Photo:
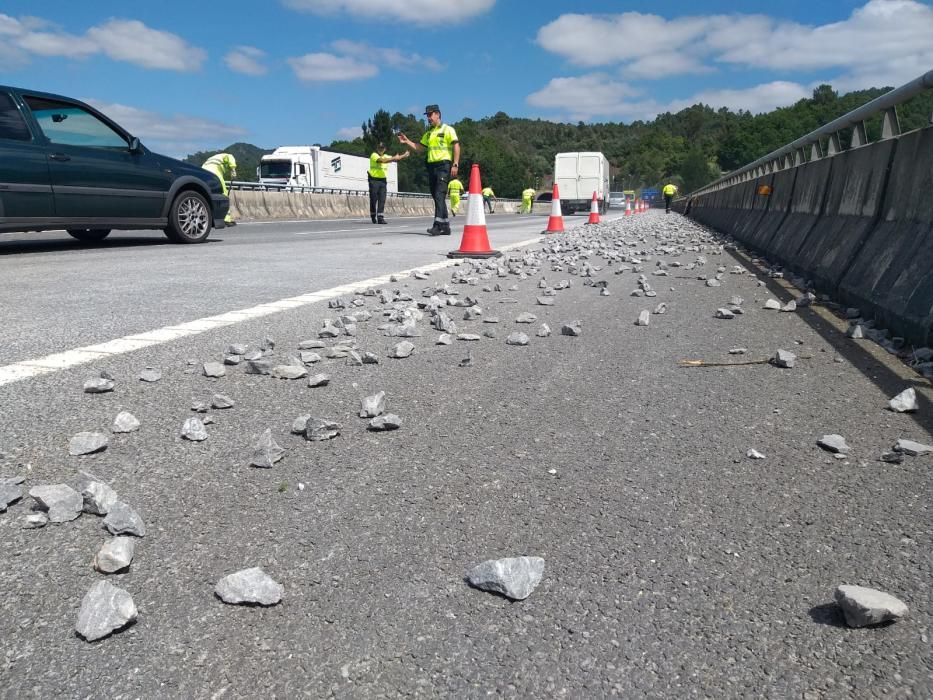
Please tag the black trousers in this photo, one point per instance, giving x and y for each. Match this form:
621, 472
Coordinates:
667, 201
438, 177
377, 196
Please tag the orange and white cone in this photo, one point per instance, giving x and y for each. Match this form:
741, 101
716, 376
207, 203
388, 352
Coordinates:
628, 206
594, 211
475, 240
555, 223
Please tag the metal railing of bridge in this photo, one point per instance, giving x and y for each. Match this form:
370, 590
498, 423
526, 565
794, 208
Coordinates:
810, 147
262, 187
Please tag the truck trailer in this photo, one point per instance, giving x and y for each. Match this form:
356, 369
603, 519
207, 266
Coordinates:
578, 176
309, 166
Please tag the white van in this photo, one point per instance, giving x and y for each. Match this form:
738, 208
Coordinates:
578, 176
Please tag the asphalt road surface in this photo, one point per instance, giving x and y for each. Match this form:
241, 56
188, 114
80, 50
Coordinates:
675, 566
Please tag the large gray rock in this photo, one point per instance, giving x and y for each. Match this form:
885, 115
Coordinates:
194, 430
320, 429
87, 443
833, 443
443, 323
150, 375
105, 609
469, 337
517, 338
98, 385
266, 451
34, 521
724, 313
444, 339
214, 369
526, 317
125, 422
389, 421
867, 606
98, 497
10, 493
513, 577
402, 350
62, 502
572, 328
644, 318
123, 520
251, 586
115, 555
261, 366
773, 305
912, 448
784, 359
220, 402
372, 406
544, 331
289, 372
904, 402
318, 380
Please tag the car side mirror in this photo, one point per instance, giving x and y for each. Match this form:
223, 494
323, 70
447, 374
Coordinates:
135, 145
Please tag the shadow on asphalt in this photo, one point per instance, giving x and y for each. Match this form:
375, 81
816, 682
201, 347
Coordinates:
45, 245
828, 614
852, 351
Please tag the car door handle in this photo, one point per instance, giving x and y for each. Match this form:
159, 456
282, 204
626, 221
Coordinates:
59, 157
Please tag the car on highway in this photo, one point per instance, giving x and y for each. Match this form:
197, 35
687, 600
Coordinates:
64, 164
617, 200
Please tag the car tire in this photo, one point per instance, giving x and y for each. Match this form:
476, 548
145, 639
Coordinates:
89, 235
189, 219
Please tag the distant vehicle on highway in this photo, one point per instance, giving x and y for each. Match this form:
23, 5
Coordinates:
309, 166
63, 164
578, 175
617, 200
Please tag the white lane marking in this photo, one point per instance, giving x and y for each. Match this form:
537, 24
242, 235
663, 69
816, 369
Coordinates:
27, 369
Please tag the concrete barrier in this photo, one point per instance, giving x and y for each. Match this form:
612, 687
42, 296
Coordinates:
249, 204
754, 206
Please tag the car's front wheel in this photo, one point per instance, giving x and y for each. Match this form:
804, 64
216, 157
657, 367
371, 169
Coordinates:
89, 235
189, 220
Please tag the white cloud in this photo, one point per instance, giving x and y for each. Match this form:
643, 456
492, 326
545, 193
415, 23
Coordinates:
884, 42
176, 134
349, 133
598, 95
424, 12
394, 58
328, 67
247, 60
129, 41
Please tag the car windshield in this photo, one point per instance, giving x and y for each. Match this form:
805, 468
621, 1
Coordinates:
275, 168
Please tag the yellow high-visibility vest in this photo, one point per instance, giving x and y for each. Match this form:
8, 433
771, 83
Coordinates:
439, 141
455, 187
669, 189
376, 169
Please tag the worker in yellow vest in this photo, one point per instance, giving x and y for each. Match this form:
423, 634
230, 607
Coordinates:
669, 190
454, 188
528, 196
443, 161
488, 198
223, 165
377, 181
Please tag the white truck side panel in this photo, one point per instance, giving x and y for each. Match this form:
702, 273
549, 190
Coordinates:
328, 169
578, 175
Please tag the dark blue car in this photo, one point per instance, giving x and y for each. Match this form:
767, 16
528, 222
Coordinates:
65, 165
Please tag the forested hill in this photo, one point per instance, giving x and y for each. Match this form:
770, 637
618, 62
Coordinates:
689, 148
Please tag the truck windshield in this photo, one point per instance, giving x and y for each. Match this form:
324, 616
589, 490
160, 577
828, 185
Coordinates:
275, 168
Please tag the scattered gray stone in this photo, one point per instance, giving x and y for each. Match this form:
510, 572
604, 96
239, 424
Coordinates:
736, 301
644, 318
98, 496
311, 345
372, 406
469, 336
267, 344
660, 308
309, 358
123, 520
266, 452
442, 322
214, 369
513, 577
354, 359
221, 402
713, 283
526, 317
444, 339
724, 313
517, 338
370, 358
60, 501
250, 586
863, 606
754, 454
544, 331
253, 355
490, 333
115, 555
545, 301
236, 349
194, 430
892, 457
150, 374
87, 443
789, 307
125, 422
318, 380
402, 350
914, 449
300, 423
105, 609
571, 328
289, 372
99, 385
738, 351
773, 305
260, 366
34, 521
200, 406
233, 360
320, 429
904, 402
389, 421
833, 443
784, 359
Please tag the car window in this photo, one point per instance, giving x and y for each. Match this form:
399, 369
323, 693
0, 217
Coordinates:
71, 125
12, 124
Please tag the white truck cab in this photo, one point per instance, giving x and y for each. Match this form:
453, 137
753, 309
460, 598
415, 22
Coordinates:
310, 166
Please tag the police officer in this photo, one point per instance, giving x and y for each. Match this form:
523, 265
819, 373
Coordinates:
377, 181
443, 161
669, 190
223, 165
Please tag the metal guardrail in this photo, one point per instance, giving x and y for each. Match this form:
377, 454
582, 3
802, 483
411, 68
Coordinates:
261, 187
809, 148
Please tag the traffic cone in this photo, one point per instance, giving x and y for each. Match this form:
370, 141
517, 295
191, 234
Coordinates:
594, 211
628, 207
555, 223
475, 240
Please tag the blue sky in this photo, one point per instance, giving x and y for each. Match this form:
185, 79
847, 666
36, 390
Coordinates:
189, 75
